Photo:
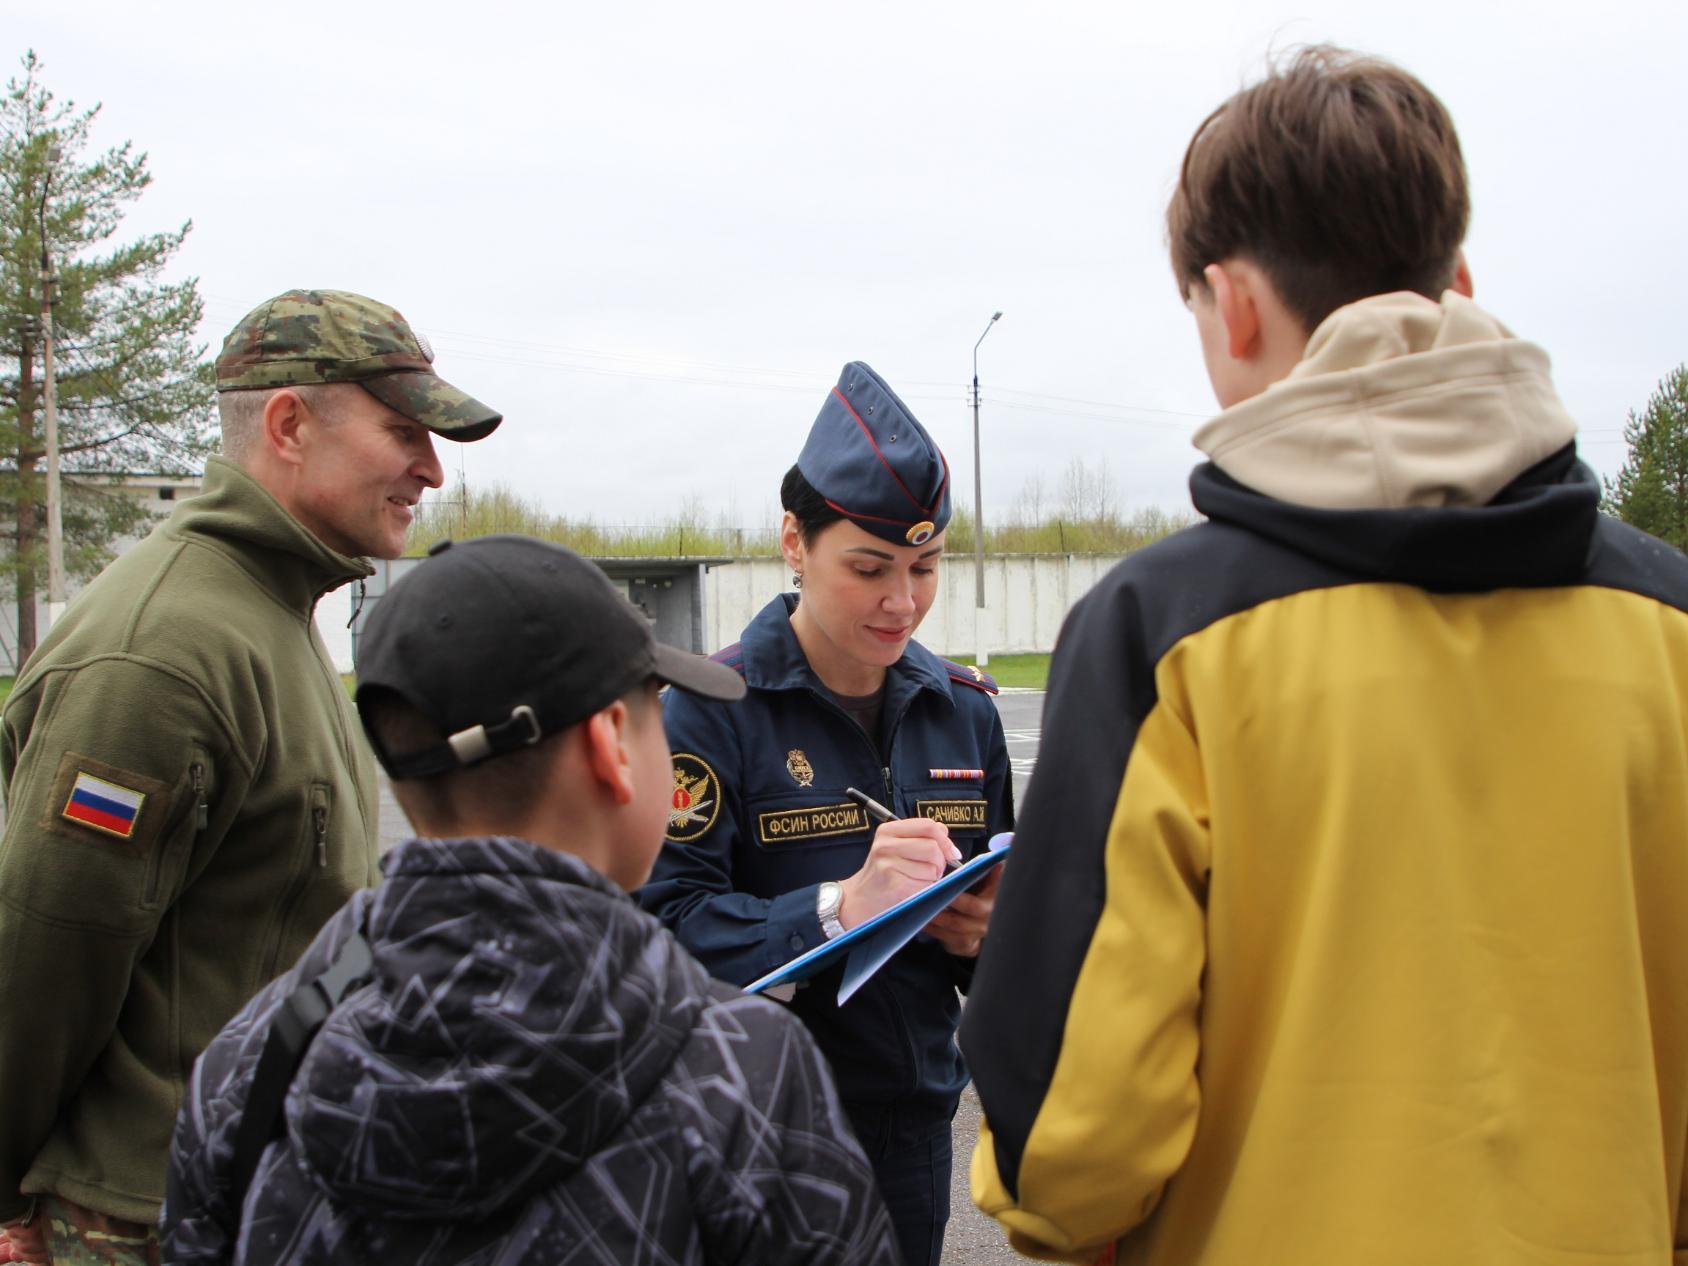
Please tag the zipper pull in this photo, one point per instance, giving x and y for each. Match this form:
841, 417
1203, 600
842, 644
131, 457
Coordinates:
319, 815
201, 810
890, 796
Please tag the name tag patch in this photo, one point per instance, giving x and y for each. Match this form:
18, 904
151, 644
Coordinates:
967, 814
780, 825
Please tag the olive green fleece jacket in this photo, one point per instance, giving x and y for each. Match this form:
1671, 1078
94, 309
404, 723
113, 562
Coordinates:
232, 811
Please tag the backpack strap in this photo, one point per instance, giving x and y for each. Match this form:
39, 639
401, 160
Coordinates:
292, 1027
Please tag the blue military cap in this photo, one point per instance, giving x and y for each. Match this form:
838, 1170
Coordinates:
874, 464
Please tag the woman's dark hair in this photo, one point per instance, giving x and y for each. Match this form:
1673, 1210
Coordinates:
811, 509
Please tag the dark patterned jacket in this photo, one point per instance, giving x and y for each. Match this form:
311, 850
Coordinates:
536, 1072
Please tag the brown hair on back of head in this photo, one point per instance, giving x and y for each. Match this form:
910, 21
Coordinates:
1339, 175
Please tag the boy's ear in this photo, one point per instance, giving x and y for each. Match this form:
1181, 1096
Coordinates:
1461, 283
607, 753
1232, 288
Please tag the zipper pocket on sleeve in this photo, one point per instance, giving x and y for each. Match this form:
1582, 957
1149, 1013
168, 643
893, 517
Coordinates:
319, 824
184, 831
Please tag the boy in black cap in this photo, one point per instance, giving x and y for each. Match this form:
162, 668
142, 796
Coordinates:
523, 1066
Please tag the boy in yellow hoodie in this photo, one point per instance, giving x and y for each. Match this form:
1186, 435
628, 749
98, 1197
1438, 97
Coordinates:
1345, 925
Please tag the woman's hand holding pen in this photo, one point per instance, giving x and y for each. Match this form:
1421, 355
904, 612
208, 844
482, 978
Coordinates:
907, 855
961, 926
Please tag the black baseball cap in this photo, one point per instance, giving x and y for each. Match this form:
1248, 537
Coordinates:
505, 640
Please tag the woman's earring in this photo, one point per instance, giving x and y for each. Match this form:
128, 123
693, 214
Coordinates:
797, 579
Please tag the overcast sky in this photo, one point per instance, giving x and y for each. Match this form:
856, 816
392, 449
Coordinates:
652, 234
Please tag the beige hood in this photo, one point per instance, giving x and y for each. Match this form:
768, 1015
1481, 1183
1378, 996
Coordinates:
1398, 401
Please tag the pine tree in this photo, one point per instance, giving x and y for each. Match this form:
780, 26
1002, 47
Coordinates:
134, 390
1651, 491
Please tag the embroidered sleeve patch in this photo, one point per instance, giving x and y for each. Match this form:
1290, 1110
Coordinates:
89, 796
695, 801
103, 805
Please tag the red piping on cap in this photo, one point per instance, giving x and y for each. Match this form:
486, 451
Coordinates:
851, 514
925, 511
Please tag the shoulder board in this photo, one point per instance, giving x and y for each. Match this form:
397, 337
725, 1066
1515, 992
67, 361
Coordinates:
732, 656
968, 675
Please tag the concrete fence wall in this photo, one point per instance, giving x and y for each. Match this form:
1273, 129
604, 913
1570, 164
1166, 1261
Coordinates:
1026, 598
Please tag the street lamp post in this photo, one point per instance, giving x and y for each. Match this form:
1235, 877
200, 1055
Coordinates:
979, 512
50, 407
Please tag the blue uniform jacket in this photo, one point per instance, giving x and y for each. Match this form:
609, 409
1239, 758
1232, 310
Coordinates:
760, 819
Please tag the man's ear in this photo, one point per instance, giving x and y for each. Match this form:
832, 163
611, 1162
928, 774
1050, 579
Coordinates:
607, 753
1232, 288
1461, 284
284, 418
791, 542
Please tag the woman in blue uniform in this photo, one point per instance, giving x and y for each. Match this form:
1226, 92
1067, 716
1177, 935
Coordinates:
768, 857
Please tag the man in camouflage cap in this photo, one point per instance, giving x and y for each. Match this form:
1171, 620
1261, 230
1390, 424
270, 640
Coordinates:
188, 796
323, 336
342, 359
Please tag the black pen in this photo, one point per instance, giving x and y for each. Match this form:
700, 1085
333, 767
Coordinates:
875, 810
880, 813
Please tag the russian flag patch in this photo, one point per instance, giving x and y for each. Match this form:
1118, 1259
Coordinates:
104, 805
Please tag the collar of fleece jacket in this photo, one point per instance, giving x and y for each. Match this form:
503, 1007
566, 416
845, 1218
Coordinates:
233, 506
525, 1009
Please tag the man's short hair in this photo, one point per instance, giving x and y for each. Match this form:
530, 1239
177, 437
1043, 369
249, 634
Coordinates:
241, 414
1338, 175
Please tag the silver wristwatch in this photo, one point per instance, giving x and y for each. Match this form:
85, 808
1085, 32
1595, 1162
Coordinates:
827, 902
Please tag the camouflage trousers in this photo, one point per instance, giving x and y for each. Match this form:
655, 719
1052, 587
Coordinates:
81, 1237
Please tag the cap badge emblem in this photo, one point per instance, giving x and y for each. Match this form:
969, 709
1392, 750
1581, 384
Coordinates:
797, 765
424, 346
921, 532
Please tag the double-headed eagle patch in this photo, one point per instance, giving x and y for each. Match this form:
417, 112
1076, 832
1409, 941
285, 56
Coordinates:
695, 802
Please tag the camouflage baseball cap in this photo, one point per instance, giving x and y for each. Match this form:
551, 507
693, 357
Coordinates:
320, 336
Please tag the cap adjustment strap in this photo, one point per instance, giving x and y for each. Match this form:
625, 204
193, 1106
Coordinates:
479, 742
471, 746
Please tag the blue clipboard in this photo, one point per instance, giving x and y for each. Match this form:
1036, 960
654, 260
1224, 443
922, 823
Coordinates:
866, 947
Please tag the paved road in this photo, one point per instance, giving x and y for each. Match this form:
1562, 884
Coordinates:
973, 1239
